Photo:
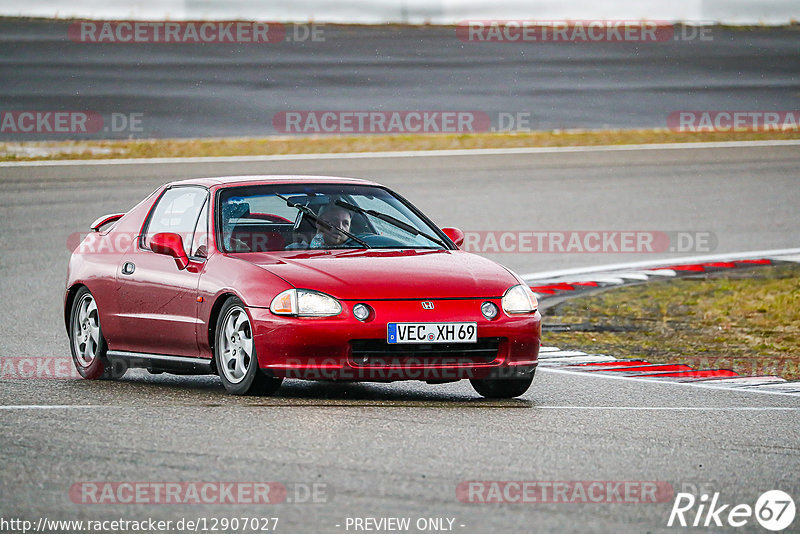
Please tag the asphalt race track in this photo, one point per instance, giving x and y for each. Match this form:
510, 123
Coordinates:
401, 450
210, 90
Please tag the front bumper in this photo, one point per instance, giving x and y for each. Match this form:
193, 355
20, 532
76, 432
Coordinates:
322, 348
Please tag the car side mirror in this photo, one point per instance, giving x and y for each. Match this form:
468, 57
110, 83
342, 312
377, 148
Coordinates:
455, 235
170, 244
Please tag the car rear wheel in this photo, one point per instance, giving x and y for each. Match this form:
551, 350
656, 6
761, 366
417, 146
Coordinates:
86, 338
502, 388
235, 353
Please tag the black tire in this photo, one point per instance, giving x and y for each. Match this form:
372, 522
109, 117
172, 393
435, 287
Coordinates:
502, 388
86, 341
237, 368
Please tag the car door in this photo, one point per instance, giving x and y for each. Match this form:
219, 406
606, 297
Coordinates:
157, 301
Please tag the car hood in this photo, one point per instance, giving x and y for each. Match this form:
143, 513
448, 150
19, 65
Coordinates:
396, 274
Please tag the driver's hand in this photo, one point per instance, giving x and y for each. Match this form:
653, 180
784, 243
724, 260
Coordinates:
300, 242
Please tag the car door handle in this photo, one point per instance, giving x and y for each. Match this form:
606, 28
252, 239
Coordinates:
128, 267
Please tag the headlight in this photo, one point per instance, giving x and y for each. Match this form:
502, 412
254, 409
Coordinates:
519, 299
305, 303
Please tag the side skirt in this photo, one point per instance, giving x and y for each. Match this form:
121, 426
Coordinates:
161, 363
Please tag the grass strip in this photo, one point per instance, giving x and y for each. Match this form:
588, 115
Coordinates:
747, 321
172, 148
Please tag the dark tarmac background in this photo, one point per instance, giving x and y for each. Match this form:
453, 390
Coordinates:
204, 90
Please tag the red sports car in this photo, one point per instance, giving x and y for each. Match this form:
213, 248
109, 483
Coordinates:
261, 278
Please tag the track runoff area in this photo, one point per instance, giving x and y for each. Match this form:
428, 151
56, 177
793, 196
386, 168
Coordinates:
556, 286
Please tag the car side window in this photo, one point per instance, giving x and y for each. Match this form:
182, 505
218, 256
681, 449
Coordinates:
199, 246
177, 211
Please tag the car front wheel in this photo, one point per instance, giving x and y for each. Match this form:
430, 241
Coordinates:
502, 388
235, 353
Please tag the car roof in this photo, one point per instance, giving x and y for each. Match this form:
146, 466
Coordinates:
221, 181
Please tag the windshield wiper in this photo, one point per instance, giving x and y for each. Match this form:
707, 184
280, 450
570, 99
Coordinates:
305, 210
389, 219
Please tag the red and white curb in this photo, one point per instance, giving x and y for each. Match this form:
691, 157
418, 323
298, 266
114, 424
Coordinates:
574, 361
556, 286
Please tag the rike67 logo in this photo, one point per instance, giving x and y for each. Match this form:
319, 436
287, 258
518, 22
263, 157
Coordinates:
774, 510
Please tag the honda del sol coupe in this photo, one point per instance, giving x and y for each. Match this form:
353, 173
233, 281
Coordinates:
261, 278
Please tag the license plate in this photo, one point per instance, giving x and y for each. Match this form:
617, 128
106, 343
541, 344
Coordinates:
432, 332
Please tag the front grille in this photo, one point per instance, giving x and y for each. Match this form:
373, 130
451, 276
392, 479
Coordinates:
379, 353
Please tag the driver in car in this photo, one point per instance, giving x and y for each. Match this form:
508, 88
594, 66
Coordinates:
338, 218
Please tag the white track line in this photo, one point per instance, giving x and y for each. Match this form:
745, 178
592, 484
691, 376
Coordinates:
577, 360
582, 408
51, 407
562, 354
543, 350
677, 408
786, 254
784, 387
409, 154
745, 381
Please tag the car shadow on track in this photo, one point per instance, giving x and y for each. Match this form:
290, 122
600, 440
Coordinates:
137, 386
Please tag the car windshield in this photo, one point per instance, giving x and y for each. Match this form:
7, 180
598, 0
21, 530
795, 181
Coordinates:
319, 216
